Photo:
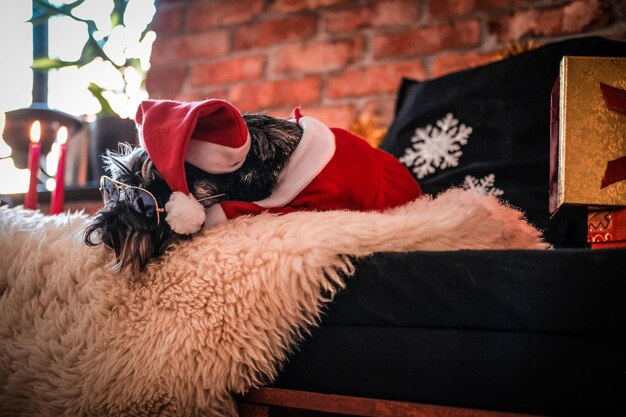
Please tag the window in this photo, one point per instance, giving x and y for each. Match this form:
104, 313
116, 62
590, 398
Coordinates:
67, 87
16, 48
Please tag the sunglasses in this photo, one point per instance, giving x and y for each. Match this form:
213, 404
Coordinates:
141, 201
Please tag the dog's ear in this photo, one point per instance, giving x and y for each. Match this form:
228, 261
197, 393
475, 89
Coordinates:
130, 163
116, 163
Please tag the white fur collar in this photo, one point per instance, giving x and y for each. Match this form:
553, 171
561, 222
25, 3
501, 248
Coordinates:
315, 150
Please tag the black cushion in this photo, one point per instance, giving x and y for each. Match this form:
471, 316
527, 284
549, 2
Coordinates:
507, 107
528, 331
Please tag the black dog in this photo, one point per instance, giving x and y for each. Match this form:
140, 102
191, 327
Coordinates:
122, 228
202, 163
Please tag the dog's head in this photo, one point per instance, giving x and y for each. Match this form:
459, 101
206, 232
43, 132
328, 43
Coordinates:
136, 238
125, 230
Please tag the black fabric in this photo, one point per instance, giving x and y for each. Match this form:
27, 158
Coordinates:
567, 290
506, 371
507, 106
528, 331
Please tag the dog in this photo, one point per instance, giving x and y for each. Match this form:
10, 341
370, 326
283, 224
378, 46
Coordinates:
118, 226
256, 163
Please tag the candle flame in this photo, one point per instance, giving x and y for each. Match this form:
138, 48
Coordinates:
35, 132
62, 135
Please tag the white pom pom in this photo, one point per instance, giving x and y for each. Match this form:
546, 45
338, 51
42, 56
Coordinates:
185, 214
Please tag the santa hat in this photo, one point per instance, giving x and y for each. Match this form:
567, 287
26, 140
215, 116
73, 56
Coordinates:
210, 135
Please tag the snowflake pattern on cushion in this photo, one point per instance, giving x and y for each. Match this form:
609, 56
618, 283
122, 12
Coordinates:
482, 186
436, 147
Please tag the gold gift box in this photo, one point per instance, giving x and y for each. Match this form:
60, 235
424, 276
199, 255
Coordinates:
586, 133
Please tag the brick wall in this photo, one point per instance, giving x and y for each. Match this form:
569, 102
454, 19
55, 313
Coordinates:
343, 58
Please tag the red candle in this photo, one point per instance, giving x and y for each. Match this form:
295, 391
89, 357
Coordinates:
59, 179
34, 151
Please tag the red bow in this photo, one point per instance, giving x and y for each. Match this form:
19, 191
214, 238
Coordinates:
615, 100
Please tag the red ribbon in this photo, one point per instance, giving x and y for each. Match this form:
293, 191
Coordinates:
615, 100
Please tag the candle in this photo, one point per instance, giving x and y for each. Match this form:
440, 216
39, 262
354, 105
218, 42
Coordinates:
59, 179
34, 151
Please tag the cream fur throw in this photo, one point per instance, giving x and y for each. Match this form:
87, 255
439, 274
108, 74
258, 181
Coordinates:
214, 317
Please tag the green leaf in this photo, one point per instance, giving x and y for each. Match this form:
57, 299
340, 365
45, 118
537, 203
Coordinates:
43, 10
91, 51
119, 8
39, 17
91, 27
135, 63
106, 109
116, 19
46, 64
74, 5
44, 7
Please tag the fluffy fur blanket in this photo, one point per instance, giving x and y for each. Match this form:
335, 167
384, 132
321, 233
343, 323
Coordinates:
215, 316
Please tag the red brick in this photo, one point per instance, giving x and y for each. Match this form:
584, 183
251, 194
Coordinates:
162, 2
383, 108
584, 14
461, 34
456, 62
227, 71
188, 46
201, 95
268, 94
274, 31
318, 56
290, 6
528, 22
332, 115
167, 21
398, 12
348, 19
445, 8
574, 17
166, 82
222, 13
385, 13
373, 80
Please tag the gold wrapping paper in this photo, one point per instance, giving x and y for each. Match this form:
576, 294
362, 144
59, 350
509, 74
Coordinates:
588, 134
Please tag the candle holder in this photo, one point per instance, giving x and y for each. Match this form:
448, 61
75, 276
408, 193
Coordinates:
17, 129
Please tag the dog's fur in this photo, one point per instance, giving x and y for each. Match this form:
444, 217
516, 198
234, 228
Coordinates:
118, 227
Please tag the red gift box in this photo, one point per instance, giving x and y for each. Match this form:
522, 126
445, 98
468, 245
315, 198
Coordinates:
606, 228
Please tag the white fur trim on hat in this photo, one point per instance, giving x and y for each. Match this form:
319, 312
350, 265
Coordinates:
214, 158
185, 214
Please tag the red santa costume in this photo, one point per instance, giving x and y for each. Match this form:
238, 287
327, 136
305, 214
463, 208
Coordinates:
330, 169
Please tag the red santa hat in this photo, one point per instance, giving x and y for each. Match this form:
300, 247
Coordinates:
210, 135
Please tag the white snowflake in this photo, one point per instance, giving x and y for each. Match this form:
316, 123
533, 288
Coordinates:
436, 147
482, 186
